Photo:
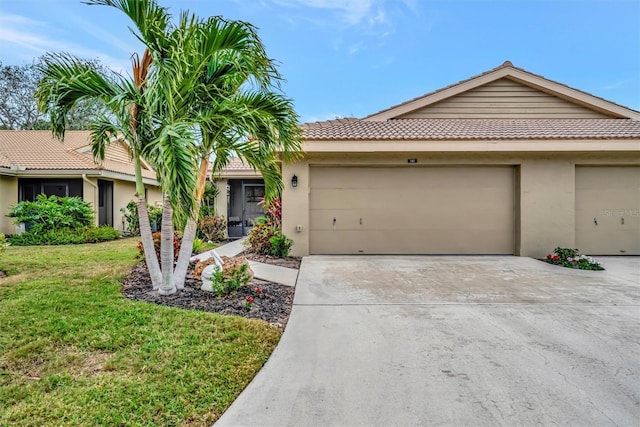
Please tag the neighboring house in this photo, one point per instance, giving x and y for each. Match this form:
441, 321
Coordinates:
507, 162
33, 162
240, 189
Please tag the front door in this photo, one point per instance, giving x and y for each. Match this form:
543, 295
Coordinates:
105, 203
252, 195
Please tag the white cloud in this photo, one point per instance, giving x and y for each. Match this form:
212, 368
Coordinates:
351, 12
618, 84
38, 45
31, 38
322, 117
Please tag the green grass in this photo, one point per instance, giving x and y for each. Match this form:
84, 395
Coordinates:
74, 351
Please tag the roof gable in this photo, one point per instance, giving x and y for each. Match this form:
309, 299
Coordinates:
555, 100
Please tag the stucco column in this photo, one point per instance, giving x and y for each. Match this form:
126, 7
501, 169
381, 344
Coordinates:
295, 206
547, 206
90, 195
8, 198
220, 206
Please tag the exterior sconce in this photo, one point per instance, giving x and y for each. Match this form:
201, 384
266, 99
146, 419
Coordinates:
294, 181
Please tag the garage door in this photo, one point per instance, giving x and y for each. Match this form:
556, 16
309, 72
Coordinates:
419, 210
608, 210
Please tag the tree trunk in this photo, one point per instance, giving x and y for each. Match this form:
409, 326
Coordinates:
166, 249
189, 235
145, 229
180, 273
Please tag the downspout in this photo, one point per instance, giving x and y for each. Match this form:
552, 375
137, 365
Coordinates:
95, 198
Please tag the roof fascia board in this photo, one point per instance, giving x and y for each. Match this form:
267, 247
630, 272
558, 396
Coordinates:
572, 95
521, 76
77, 173
438, 96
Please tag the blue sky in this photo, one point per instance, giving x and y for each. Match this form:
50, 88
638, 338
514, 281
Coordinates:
355, 57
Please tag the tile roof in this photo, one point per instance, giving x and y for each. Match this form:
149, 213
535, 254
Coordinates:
236, 164
39, 150
473, 129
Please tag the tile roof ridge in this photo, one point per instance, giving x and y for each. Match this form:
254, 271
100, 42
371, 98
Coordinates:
330, 122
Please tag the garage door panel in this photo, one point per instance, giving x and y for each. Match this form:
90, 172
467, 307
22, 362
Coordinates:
466, 210
427, 242
610, 197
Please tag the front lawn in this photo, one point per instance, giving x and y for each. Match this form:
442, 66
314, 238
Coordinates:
74, 351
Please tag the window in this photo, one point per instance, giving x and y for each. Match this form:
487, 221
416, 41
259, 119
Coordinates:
29, 188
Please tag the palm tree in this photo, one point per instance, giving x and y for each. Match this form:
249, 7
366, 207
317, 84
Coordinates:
67, 81
216, 80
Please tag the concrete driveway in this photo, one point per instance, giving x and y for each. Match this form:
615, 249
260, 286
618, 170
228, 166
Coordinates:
394, 341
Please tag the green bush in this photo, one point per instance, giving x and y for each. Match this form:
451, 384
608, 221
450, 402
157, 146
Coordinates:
65, 236
259, 238
132, 218
198, 244
53, 213
3, 242
571, 258
280, 245
157, 243
213, 228
234, 280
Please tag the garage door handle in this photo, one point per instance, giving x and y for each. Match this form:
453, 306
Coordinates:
360, 221
334, 221
595, 220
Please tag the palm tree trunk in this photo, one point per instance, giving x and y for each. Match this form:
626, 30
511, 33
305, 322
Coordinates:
145, 229
189, 235
166, 249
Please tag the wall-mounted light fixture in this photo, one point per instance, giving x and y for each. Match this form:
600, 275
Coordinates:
294, 181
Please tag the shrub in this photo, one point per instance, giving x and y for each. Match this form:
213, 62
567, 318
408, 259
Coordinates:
157, 240
132, 218
65, 236
207, 208
213, 228
232, 276
259, 238
198, 244
53, 213
568, 257
280, 245
3, 242
100, 234
266, 238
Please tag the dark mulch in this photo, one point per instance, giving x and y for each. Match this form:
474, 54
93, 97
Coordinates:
3, 274
274, 306
289, 262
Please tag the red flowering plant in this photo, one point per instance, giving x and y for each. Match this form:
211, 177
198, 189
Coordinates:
248, 302
568, 257
257, 292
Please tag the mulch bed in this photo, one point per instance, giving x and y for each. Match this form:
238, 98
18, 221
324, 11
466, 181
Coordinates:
274, 306
289, 262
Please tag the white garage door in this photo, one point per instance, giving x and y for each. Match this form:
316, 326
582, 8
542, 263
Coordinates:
417, 210
608, 210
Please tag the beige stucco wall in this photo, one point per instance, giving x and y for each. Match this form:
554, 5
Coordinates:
221, 198
124, 192
8, 197
545, 190
295, 203
90, 195
547, 206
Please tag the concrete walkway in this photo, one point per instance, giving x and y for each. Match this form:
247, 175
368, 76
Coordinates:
460, 341
268, 272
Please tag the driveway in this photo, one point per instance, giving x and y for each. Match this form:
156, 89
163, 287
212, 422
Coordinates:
391, 341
